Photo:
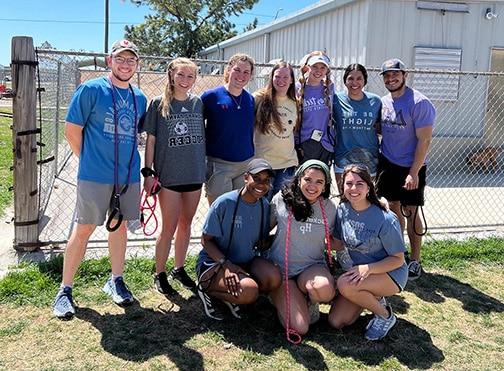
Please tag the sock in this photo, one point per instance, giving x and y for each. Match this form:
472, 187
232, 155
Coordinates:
63, 286
115, 276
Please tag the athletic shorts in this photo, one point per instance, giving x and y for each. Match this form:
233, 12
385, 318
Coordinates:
93, 200
390, 181
315, 150
224, 176
185, 188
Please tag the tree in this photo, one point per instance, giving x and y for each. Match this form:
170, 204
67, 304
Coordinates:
251, 26
185, 27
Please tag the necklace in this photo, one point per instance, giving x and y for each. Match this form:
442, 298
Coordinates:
238, 103
123, 100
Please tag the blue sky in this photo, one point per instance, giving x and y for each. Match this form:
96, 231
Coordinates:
78, 24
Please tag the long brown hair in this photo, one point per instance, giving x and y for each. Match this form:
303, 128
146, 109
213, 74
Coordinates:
363, 172
266, 114
164, 106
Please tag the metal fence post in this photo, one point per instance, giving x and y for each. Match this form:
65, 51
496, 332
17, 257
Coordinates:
24, 144
56, 119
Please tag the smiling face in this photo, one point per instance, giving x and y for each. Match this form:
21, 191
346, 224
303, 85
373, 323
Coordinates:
355, 83
182, 80
282, 81
238, 76
317, 72
312, 183
395, 82
256, 185
123, 66
355, 190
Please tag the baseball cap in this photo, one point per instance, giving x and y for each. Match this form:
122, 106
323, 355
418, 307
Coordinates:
393, 64
122, 45
318, 59
257, 165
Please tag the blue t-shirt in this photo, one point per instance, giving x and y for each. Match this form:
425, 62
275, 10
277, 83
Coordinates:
399, 120
357, 141
370, 236
247, 227
92, 108
229, 124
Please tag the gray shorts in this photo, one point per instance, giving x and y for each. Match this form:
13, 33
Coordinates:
93, 200
224, 176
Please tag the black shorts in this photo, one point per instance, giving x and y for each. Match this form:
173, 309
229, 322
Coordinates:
315, 150
390, 181
185, 188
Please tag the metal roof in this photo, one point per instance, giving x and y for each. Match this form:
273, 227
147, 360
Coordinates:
305, 13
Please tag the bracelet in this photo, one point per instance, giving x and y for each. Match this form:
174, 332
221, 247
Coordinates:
147, 172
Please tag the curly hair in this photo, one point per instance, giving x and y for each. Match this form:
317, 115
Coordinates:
294, 198
266, 115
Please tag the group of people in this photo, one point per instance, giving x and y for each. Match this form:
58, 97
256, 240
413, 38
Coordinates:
264, 160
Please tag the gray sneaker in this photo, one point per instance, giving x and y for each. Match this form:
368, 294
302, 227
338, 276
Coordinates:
414, 270
379, 327
118, 291
63, 306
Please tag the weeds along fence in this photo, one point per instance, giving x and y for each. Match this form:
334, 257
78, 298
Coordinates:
466, 167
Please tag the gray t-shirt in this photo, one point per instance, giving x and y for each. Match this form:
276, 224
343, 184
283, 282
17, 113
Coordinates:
307, 239
179, 156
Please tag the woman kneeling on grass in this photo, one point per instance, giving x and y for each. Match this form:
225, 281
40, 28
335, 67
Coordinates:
237, 222
374, 241
304, 215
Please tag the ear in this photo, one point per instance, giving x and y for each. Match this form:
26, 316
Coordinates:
108, 59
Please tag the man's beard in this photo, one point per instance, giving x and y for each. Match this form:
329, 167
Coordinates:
122, 79
398, 88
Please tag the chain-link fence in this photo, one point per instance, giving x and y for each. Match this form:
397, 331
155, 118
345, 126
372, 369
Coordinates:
466, 166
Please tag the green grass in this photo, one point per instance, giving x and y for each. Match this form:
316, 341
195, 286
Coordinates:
5, 161
451, 318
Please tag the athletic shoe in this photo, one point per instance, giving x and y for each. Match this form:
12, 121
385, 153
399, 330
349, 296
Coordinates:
209, 306
233, 308
344, 259
414, 270
118, 291
63, 306
162, 285
379, 327
314, 310
181, 276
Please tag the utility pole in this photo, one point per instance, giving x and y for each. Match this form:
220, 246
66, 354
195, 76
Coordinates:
105, 49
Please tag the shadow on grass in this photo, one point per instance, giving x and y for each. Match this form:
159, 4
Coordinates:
142, 333
434, 288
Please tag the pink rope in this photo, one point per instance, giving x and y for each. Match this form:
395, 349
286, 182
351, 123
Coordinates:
327, 233
151, 208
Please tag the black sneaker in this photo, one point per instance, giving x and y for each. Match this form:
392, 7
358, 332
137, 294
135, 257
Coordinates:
181, 275
162, 285
209, 306
233, 308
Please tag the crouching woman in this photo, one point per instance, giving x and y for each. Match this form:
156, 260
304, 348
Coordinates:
228, 269
374, 241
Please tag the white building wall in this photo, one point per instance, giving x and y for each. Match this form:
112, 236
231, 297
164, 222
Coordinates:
253, 47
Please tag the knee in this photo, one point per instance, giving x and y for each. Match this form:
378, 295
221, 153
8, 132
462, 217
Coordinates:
273, 280
298, 323
320, 290
250, 292
84, 231
336, 321
345, 288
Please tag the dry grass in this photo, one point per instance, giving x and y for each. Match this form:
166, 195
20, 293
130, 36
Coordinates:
444, 322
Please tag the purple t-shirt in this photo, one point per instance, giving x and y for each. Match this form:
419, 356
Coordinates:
316, 115
399, 120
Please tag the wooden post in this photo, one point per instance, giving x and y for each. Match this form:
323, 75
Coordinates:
24, 136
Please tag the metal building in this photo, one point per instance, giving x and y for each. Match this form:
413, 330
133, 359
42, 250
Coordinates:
434, 35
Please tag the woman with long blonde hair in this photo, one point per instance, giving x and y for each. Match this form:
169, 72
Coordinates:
175, 154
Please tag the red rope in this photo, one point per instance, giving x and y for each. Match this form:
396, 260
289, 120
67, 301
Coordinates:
292, 335
150, 207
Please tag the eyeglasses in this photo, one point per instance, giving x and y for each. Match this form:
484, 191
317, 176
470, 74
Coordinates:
128, 61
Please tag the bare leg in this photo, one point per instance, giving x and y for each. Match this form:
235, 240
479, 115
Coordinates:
75, 250
317, 283
218, 289
414, 224
343, 312
117, 249
267, 275
298, 309
190, 202
170, 203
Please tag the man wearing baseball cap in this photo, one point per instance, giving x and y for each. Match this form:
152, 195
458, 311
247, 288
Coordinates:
406, 126
102, 124
229, 268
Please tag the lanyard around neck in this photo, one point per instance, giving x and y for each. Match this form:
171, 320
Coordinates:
116, 138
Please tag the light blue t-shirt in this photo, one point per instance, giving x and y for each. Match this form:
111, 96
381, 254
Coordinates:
370, 236
93, 109
247, 227
357, 141
399, 120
